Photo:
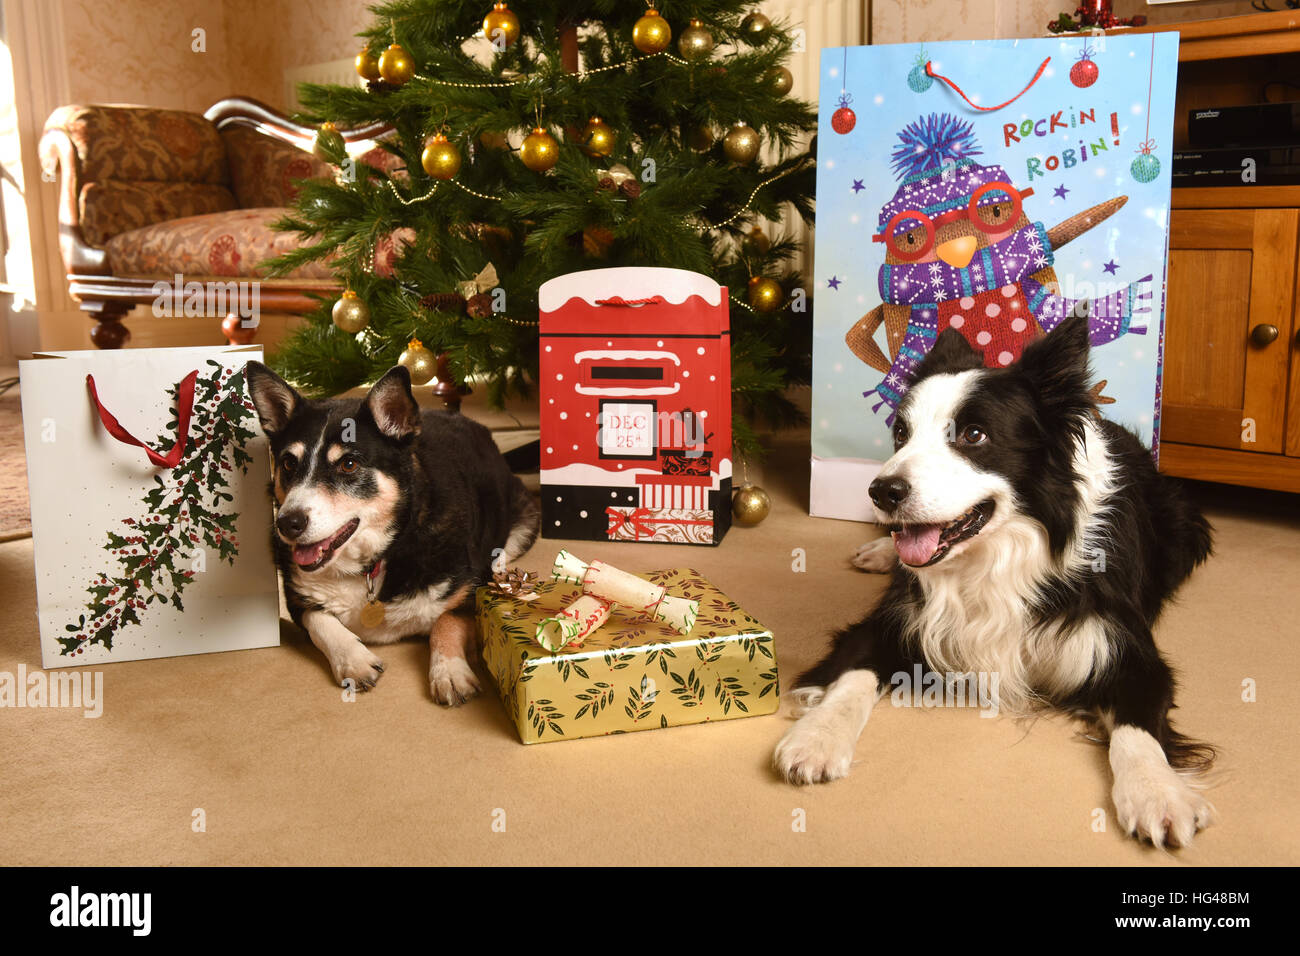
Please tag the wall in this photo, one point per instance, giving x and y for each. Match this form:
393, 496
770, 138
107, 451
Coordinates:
277, 35
136, 51
141, 51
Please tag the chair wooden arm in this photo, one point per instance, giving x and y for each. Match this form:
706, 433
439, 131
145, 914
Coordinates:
245, 111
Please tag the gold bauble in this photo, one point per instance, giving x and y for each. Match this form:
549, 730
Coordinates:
696, 42
395, 65
779, 80
741, 145
327, 142
750, 505
700, 139
539, 151
419, 361
652, 34
765, 295
598, 138
350, 313
367, 64
440, 159
501, 18
755, 29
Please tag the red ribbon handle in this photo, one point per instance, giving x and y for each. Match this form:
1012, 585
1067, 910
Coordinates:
929, 71
619, 300
184, 408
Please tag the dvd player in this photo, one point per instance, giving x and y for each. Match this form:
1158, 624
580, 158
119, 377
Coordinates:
1237, 166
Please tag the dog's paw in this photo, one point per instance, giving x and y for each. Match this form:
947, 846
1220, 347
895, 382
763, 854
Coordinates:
1157, 804
806, 698
358, 665
877, 556
814, 750
452, 681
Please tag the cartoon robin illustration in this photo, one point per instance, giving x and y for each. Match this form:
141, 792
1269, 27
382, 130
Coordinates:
961, 253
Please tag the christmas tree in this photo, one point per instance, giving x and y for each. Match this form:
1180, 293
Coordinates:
544, 138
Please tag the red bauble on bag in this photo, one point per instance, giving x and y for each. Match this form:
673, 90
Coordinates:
844, 119
1084, 73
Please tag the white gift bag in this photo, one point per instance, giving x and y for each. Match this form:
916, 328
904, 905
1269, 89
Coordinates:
150, 513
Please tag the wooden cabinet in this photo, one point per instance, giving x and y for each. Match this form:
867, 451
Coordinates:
1231, 387
1231, 276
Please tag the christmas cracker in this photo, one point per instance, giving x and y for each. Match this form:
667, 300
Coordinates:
602, 586
583, 615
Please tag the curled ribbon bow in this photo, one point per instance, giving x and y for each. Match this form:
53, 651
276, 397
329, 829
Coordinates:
638, 519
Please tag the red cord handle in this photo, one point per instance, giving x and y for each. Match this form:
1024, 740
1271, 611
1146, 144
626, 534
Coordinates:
929, 71
184, 408
619, 300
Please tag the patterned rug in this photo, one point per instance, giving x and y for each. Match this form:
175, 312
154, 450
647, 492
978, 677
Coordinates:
15, 510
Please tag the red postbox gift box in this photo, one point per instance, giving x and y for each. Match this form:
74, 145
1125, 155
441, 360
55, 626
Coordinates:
635, 406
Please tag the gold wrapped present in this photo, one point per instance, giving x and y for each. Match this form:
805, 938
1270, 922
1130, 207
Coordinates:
631, 674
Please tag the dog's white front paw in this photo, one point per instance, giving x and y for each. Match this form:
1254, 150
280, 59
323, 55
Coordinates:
877, 556
358, 665
814, 750
1157, 804
451, 680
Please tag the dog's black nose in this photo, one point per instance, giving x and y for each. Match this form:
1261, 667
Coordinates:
888, 493
291, 524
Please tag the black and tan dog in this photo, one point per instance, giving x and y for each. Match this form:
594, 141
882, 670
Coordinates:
386, 519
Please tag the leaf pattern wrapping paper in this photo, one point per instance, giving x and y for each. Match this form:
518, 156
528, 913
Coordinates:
632, 673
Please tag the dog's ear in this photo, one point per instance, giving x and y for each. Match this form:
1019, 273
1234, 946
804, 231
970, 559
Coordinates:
1057, 366
1058, 361
951, 352
392, 405
273, 397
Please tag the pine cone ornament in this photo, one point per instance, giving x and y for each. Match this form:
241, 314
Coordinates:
479, 306
444, 302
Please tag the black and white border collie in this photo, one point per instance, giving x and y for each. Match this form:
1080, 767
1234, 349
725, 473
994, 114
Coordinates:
381, 507
1033, 541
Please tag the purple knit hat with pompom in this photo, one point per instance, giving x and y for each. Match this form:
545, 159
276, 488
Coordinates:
933, 162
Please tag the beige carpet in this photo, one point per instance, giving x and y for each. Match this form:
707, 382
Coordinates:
286, 773
15, 519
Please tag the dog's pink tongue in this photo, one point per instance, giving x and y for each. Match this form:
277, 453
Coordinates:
917, 544
306, 554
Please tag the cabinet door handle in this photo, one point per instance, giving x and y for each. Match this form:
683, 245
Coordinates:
1263, 334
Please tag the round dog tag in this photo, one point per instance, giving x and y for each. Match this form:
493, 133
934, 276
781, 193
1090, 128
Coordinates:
372, 615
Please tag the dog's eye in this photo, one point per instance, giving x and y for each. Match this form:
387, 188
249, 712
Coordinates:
900, 434
973, 435
288, 463
348, 464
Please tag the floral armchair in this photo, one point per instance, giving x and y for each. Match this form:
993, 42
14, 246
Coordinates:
150, 194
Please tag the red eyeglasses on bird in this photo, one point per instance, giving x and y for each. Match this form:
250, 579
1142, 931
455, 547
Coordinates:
994, 209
